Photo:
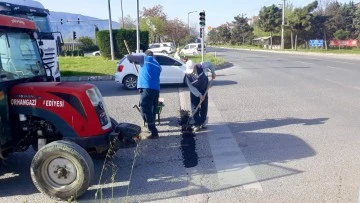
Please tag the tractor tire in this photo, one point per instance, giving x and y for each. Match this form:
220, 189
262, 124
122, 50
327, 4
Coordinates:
130, 82
62, 170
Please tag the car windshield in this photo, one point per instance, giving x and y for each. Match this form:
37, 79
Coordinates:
19, 56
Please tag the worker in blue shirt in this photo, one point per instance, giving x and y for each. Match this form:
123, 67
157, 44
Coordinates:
148, 84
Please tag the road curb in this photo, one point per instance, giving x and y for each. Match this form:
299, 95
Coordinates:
87, 78
338, 55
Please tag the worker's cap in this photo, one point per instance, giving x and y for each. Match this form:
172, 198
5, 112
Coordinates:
149, 53
189, 66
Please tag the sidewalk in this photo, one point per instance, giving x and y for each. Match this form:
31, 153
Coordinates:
347, 56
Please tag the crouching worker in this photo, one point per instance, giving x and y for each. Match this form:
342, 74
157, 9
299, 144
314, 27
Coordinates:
148, 84
198, 83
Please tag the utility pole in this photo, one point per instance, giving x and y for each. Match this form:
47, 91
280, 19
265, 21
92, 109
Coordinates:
188, 20
138, 30
283, 25
111, 35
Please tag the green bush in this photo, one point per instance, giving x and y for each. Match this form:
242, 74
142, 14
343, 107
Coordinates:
68, 53
87, 44
75, 53
103, 39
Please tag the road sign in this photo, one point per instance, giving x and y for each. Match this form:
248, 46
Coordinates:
316, 43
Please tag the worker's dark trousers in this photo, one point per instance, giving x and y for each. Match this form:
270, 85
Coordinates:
200, 115
149, 100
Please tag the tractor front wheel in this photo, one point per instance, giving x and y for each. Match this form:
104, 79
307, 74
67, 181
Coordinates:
62, 170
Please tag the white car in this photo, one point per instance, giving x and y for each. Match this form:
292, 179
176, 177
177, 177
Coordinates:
173, 71
96, 53
164, 47
192, 49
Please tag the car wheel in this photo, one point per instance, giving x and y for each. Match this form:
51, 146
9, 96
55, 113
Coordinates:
130, 82
62, 170
164, 52
97, 54
184, 82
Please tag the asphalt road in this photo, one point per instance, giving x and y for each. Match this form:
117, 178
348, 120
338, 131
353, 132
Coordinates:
281, 128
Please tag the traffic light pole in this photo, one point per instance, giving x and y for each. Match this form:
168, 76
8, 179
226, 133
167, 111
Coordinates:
202, 33
202, 44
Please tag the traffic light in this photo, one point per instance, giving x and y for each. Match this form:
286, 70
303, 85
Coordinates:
202, 19
74, 35
201, 32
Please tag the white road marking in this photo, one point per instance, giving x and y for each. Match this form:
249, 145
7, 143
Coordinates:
231, 165
342, 84
109, 185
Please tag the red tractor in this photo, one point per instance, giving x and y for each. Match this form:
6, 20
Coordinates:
63, 121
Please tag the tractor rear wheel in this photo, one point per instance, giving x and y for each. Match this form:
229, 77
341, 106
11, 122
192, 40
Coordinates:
62, 170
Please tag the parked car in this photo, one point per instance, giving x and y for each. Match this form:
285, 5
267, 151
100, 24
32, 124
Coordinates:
192, 49
164, 47
96, 53
173, 71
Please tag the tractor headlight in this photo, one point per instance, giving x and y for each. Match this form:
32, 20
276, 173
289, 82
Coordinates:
99, 106
93, 96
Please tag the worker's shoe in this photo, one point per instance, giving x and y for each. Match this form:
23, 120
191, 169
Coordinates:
203, 126
196, 128
153, 136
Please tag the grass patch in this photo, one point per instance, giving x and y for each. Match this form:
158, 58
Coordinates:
332, 51
207, 57
98, 66
313, 50
88, 66
238, 46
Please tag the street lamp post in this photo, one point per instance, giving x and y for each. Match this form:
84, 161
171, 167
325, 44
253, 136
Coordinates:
283, 25
188, 19
137, 29
111, 36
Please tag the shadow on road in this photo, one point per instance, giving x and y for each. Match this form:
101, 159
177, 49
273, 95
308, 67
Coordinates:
224, 66
264, 152
158, 170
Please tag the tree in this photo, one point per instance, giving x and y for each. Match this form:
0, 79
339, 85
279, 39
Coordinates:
347, 13
87, 44
176, 31
154, 20
241, 30
213, 36
300, 21
128, 22
270, 20
155, 26
224, 33
156, 11
356, 22
341, 34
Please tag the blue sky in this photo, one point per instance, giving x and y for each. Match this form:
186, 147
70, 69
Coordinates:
217, 11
